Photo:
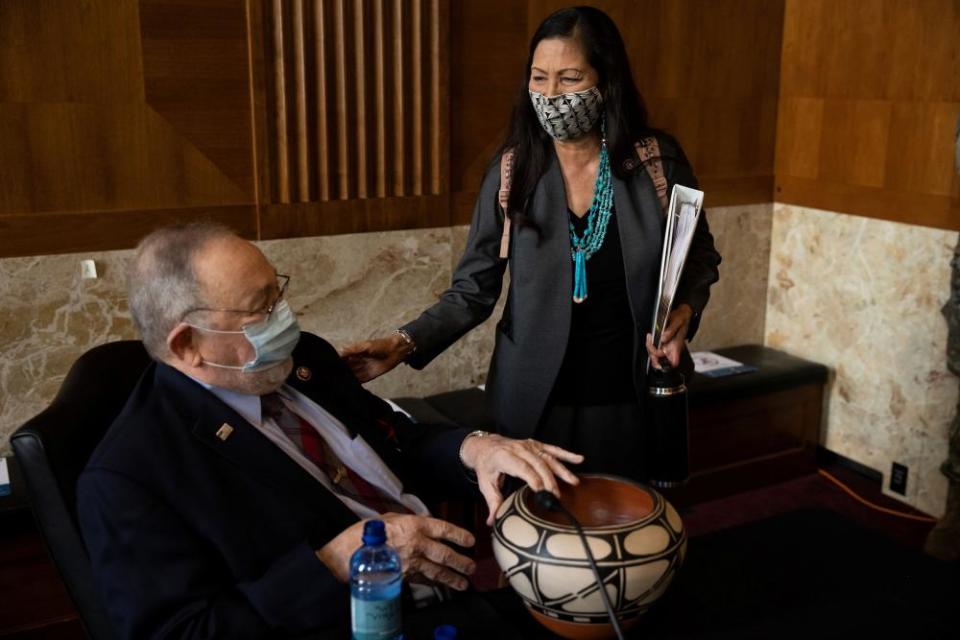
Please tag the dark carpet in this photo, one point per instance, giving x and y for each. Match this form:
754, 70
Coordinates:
808, 573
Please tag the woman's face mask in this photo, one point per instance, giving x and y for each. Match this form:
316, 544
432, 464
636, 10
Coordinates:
568, 115
273, 339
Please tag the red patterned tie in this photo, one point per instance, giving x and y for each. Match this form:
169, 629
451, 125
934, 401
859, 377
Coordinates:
345, 481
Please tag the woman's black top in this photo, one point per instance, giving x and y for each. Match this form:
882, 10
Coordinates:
598, 365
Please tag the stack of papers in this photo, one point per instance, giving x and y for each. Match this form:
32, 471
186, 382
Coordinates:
682, 217
714, 365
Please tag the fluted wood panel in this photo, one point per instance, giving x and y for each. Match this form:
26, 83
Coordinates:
869, 104
354, 99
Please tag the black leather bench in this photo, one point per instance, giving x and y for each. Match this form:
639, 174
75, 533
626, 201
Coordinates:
746, 430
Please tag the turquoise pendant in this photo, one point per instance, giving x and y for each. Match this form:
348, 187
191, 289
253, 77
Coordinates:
580, 277
598, 217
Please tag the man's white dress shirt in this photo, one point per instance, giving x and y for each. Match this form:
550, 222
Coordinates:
354, 453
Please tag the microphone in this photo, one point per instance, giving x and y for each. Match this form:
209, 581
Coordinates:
546, 500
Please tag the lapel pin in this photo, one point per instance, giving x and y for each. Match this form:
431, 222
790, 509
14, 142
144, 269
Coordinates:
304, 374
224, 431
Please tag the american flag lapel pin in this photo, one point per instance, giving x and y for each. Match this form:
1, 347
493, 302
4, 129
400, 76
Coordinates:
224, 431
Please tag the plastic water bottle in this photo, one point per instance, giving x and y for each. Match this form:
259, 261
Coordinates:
375, 582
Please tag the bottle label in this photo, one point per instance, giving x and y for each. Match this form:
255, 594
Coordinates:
375, 619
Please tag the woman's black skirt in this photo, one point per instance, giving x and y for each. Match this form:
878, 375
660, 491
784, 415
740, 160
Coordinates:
609, 436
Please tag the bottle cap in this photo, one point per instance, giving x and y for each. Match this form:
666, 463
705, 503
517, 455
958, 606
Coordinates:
445, 632
374, 533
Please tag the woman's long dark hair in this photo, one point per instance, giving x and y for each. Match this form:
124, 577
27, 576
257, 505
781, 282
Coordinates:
626, 115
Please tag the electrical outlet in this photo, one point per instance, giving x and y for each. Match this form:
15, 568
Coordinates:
88, 269
898, 478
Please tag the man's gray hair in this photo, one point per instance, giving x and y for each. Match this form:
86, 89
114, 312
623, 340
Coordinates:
162, 285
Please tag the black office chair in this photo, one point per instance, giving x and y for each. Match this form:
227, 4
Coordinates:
54, 447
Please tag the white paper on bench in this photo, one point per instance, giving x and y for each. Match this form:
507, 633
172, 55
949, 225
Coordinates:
704, 361
4, 478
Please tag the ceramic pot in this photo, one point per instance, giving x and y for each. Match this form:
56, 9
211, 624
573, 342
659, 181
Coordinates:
636, 537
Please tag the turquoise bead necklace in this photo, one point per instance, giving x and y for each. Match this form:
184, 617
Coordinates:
583, 247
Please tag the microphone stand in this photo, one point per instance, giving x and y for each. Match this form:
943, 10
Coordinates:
548, 501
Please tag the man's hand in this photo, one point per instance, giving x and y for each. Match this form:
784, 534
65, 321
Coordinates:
373, 358
493, 457
672, 341
418, 539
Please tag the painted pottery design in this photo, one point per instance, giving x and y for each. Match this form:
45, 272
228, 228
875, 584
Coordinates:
636, 537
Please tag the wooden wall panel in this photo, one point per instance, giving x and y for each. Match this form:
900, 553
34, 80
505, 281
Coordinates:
74, 232
295, 117
869, 103
85, 159
63, 51
115, 113
196, 76
354, 101
487, 54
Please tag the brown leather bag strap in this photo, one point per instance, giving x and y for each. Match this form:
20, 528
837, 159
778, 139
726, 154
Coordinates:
649, 151
506, 177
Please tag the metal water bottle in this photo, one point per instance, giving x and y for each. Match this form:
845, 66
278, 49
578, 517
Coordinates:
669, 437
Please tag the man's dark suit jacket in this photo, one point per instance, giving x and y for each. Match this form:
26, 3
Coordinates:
194, 536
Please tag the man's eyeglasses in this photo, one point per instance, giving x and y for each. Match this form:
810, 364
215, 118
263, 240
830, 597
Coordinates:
282, 282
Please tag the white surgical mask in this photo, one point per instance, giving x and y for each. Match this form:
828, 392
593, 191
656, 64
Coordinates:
568, 115
273, 339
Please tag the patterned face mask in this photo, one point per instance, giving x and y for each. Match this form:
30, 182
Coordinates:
568, 115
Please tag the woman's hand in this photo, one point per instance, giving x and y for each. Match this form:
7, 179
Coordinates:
418, 540
373, 358
493, 457
673, 339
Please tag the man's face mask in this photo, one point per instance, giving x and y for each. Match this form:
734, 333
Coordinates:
568, 115
273, 339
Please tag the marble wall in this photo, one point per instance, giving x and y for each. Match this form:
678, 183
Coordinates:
348, 288
344, 287
737, 308
863, 296
49, 315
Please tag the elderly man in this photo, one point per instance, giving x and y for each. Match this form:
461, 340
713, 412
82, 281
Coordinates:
227, 498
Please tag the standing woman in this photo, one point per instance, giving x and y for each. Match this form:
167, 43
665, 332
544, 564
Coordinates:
568, 369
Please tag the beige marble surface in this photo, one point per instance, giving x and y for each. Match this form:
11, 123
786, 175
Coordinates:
49, 315
737, 308
863, 297
355, 287
345, 288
